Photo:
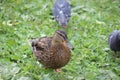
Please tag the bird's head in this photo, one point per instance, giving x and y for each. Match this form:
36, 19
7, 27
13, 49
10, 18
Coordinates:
60, 37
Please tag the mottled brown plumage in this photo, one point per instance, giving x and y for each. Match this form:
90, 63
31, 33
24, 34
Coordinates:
52, 52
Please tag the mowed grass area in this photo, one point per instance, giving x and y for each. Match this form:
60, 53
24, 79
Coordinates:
90, 25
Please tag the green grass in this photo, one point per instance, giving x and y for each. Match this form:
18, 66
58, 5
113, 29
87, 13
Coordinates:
90, 25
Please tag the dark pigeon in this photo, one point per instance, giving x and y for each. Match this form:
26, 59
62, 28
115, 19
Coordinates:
62, 12
114, 41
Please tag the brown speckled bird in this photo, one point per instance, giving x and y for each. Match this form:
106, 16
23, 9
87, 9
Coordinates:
53, 52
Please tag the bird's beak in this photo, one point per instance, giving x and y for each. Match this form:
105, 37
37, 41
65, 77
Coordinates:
69, 45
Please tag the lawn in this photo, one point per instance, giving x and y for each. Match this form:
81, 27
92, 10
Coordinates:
90, 24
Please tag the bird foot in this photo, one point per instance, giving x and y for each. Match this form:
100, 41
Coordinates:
57, 70
115, 55
65, 26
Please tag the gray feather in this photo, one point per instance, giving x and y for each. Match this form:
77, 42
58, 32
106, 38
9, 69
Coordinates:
62, 12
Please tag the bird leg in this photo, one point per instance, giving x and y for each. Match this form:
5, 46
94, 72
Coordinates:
115, 55
65, 26
57, 70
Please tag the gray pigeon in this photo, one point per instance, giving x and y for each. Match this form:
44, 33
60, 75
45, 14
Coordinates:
114, 42
62, 12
